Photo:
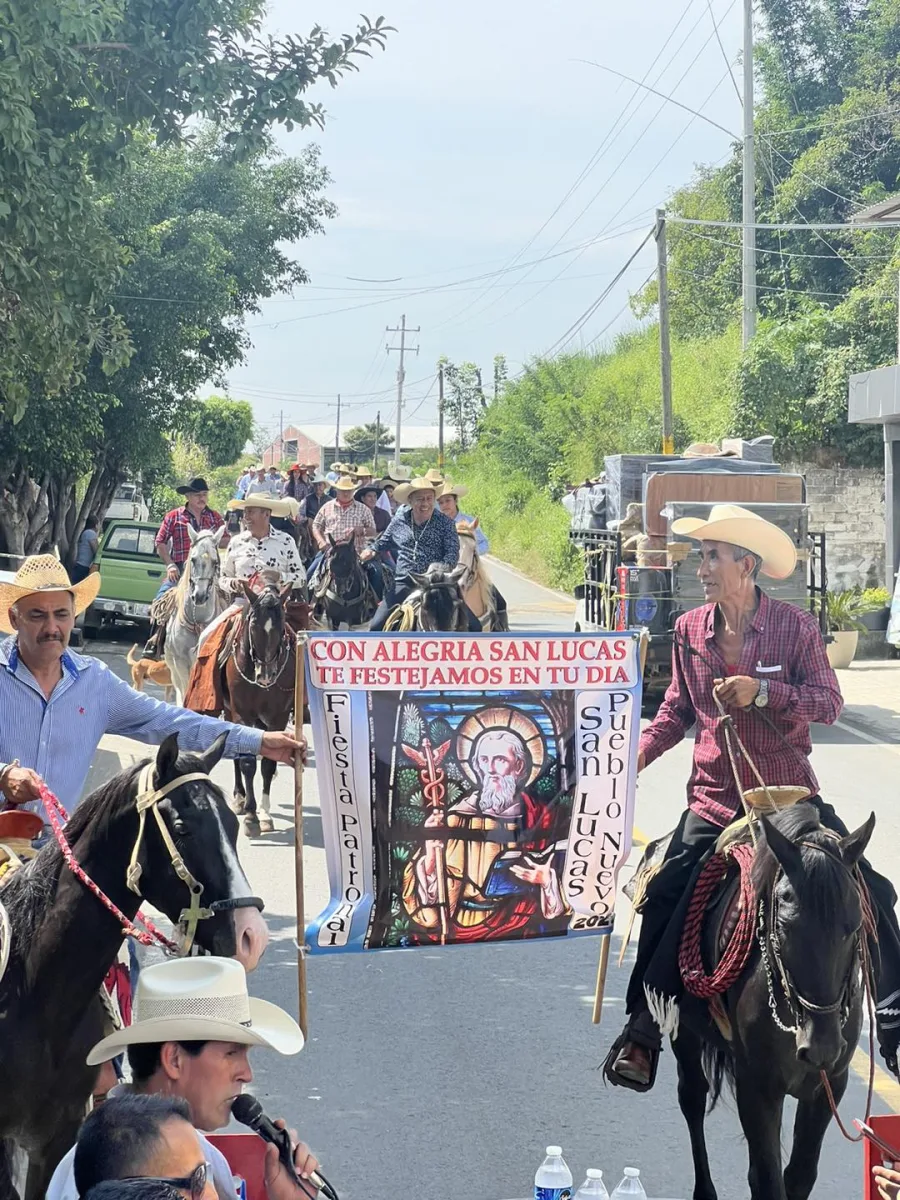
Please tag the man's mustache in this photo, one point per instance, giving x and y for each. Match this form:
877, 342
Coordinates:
49, 637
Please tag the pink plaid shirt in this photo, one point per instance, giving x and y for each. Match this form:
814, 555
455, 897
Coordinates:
783, 644
339, 522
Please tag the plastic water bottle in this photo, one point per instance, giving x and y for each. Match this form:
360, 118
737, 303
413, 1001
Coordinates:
631, 1185
593, 1187
553, 1179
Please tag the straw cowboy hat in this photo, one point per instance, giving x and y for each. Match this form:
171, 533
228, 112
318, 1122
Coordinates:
277, 506
346, 483
453, 489
201, 999
434, 475
706, 450
740, 527
44, 573
398, 475
420, 484
364, 472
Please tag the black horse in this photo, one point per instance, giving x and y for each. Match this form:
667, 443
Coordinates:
343, 595
64, 941
435, 605
795, 1012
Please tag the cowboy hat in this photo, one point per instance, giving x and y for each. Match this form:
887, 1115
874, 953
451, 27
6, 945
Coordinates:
371, 486
201, 999
198, 484
453, 489
364, 471
739, 527
706, 450
318, 477
398, 475
420, 484
434, 475
346, 483
44, 573
276, 506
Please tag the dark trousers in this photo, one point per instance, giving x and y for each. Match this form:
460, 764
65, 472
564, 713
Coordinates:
663, 914
397, 595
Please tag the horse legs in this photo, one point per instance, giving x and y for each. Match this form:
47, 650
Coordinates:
239, 798
7, 1186
267, 770
760, 1110
251, 820
810, 1126
693, 1088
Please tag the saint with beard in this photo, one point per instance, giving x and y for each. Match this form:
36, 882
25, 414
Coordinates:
499, 874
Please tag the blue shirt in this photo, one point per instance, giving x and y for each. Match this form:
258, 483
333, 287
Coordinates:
58, 737
416, 547
87, 547
481, 542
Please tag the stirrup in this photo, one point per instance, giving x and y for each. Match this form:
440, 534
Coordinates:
653, 1048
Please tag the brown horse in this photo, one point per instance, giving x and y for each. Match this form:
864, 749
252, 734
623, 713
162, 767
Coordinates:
258, 687
62, 940
476, 586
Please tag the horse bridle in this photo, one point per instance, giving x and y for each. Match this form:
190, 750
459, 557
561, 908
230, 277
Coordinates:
148, 798
767, 936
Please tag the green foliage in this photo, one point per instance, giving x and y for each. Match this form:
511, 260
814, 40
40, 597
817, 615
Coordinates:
362, 441
222, 427
844, 609
875, 598
464, 398
82, 84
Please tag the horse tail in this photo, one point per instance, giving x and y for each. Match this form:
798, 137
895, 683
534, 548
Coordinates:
718, 1067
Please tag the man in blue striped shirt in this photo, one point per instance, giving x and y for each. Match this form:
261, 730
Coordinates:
55, 705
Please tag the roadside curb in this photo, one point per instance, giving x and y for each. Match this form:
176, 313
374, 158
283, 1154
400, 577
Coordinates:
861, 725
492, 558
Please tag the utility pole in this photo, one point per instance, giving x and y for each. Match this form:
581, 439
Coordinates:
441, 418
377, 440
748, 217
401, 374
665, 352
337, 432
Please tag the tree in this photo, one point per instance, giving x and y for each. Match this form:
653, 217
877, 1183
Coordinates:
464, 400
362, 441
81, 86
207, 239
223, 427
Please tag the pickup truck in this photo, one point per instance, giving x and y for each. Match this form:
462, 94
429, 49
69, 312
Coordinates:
131, 572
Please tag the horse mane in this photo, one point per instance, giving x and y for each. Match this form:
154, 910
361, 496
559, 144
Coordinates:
32, 887
824, 875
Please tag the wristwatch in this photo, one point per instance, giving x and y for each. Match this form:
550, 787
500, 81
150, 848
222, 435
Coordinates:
762, 696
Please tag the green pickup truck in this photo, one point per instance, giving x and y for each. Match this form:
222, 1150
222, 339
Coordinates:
131, 571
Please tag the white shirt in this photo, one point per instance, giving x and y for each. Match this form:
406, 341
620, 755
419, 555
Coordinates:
248, 556
62, 1185
259, 485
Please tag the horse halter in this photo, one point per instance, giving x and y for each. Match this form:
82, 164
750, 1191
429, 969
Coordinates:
148, 798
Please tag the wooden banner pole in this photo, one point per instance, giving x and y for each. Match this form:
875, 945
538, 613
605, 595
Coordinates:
299, 704
603, 964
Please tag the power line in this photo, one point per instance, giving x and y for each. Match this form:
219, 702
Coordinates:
725, 58
785, 253
808, 225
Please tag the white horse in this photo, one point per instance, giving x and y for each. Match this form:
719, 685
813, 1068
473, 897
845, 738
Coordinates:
197, 602
476, 586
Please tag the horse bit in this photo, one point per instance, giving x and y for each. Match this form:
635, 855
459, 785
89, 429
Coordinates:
148, 798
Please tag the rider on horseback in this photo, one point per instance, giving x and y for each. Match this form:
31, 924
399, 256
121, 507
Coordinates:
342, 518
448, 501
765, 661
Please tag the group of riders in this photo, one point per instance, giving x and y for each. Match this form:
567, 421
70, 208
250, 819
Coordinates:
291, 523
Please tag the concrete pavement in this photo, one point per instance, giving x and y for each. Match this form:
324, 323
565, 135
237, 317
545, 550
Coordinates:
446, 1073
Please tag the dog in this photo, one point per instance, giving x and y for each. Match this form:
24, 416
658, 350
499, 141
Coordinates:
143, 669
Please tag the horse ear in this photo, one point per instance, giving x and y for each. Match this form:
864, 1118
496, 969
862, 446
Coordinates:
475, 523
193, 534
166, 758
788, 854
285, 592
420, 580
214, 753
249, 592
853, 846
333, 542
457, 573
219, 534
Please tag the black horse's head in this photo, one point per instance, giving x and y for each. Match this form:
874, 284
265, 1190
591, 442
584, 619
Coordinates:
441, 604
267, 631
343, 559
814, 914
204, 831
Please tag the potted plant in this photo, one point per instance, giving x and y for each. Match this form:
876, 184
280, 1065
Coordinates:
876, 611
844, 611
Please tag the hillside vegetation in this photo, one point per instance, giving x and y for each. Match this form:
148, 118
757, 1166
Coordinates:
828, 142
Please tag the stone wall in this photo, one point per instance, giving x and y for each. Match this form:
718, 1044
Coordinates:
847, 503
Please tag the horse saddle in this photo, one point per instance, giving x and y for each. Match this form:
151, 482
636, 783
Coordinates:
17, 831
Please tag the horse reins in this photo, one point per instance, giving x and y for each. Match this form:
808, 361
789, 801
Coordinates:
148, 798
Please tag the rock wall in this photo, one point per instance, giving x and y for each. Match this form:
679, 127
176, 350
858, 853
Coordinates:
847, 503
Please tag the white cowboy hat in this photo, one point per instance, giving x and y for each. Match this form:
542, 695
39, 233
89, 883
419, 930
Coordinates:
398, 475
453, 489
44, 573
201, 999
434, 475
277, 506
346, 484
420, 484
739, 527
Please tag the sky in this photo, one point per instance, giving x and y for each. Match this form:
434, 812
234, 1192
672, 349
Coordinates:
481, 140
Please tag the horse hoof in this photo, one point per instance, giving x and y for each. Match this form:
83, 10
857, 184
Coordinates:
238, 805
266, 824
252, 826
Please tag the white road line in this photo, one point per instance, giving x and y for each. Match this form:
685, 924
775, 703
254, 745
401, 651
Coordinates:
867, 737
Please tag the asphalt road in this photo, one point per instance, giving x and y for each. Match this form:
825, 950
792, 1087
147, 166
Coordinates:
446, 1073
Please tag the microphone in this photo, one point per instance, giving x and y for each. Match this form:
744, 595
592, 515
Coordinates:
248, 1110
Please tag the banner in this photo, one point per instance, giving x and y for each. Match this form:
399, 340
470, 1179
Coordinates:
473, 787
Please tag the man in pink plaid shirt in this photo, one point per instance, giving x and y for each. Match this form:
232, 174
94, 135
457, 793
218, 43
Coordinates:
766, 661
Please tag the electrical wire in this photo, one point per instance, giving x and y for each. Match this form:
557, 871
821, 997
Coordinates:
725, 58
704, 237
861, 225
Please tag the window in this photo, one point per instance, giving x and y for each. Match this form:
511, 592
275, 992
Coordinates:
129, 540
